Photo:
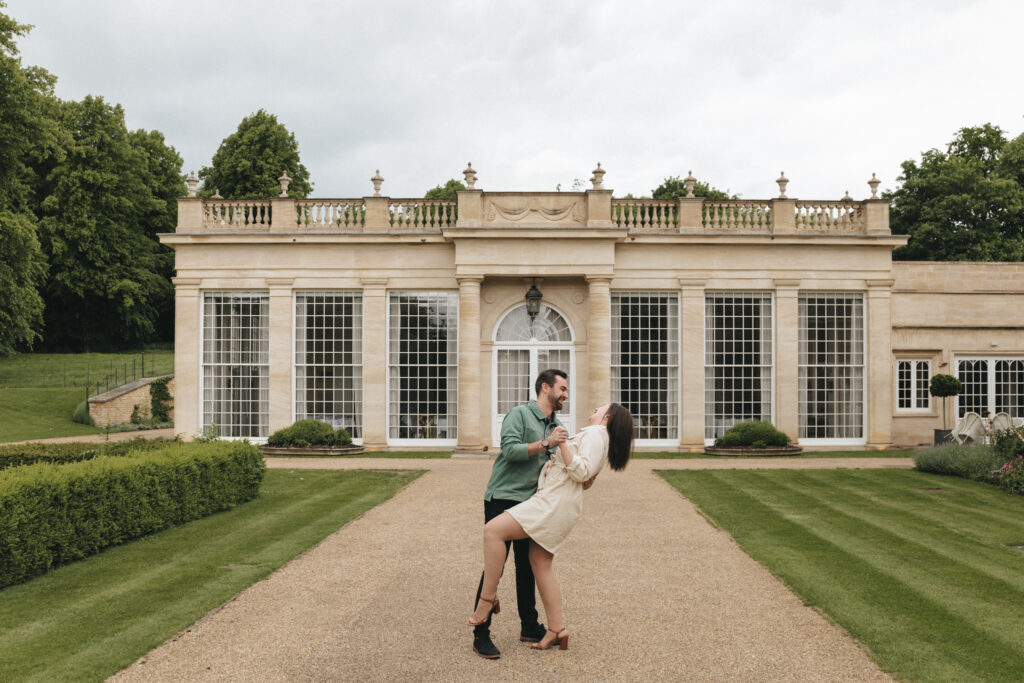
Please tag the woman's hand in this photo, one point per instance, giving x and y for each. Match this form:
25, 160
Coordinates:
589, 482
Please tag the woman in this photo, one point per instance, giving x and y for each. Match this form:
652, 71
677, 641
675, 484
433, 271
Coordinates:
548, 516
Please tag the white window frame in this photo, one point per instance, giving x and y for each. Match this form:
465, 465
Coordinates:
914, 392
359, 331
768, 296
203, 364
990, 379
454, 386
839, 441
614, 354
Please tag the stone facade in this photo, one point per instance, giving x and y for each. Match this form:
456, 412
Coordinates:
585, 251
117, 405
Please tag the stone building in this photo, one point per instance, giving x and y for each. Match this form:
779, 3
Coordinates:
418, 323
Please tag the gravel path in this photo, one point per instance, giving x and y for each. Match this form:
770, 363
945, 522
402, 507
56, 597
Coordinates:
651, 591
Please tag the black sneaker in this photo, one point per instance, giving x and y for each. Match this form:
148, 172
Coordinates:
483, 646
532, 634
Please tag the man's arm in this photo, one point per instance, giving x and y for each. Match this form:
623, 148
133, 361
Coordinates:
513, 435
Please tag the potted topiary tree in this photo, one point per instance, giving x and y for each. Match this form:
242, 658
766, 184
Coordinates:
311, 437
943, 386
755, 438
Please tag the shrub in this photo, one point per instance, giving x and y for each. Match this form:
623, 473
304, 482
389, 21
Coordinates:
309, 433
943, 386
159, 395
137, 416
58, 453
757, 433
1010, 476
81, 414
973, 461
54, 514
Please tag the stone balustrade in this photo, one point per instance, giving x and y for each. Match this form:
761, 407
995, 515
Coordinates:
594, 208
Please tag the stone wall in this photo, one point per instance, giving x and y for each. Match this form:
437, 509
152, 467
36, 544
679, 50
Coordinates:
116, 406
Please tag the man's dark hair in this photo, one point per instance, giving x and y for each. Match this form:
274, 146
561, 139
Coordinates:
548, 377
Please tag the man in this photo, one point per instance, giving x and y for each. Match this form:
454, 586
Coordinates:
528, 435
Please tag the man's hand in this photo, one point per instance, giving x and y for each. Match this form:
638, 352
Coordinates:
589, 482
559, 436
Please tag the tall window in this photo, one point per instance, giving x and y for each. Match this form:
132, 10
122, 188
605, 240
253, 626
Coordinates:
423, 366
831, 402
995, 385
235, 363
329, 359
912, 377
645, 360
737, 359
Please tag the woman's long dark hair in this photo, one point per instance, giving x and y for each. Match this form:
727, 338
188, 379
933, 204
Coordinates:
620, 436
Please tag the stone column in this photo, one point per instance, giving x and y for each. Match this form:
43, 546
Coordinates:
375, 363
471, 409
281, 353
787, 357
599, 346
188, 322
878, 380
691, 314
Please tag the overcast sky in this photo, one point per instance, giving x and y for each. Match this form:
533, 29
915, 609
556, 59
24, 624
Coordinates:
535, 93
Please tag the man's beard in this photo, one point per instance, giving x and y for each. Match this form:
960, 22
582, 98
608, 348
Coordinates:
557, 404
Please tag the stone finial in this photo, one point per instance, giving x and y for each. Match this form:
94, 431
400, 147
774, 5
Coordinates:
847, 197
216, 194
192, 181
782, 180
598, 178
376, 180
689, 181
284, 180
873, 184
470, 176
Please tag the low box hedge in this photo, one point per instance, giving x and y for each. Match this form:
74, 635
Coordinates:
54, 514
30, 453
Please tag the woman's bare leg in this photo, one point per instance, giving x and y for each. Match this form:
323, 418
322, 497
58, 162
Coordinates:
550, 591
502, 528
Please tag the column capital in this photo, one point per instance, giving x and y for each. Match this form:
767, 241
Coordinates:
879, 284
591, 279
280, 282
374, 282
469, 279
693, 283
785, 283
186, 282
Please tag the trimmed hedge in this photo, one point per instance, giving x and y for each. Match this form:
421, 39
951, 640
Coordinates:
310, 433
756, 433
54, 514
58, 453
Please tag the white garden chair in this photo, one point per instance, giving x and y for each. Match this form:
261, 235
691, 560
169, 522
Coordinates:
970, 428
1001, 422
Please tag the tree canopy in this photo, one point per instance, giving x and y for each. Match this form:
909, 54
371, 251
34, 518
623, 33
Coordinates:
249, 161
674, 188
448, 191
965, 203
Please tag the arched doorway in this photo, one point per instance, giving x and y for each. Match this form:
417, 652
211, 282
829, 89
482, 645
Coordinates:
522, 348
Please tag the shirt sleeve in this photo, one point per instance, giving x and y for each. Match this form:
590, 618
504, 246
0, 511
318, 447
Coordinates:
588, 456
513, 435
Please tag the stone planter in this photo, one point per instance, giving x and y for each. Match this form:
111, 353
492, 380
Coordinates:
315, 451
751, 452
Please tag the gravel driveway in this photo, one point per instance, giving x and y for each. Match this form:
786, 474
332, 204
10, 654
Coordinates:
651, 592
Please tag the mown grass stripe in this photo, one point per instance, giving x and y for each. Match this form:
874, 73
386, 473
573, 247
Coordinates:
908, 561
908, 630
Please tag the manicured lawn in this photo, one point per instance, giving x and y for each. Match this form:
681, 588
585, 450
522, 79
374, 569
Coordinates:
40, 414
62, 370
895, 453
90, 619
925, 570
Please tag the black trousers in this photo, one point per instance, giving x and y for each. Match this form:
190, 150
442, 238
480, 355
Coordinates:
526, 588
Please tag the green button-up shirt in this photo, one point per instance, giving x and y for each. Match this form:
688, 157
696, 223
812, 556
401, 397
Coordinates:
515, 472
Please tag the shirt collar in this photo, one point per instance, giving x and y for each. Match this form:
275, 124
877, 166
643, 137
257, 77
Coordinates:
538, 413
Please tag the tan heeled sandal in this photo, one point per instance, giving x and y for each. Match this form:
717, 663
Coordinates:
561, 639
495, 608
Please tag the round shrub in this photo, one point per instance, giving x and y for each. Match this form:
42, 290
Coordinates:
945, 385
309, 433
81, 414
755, 434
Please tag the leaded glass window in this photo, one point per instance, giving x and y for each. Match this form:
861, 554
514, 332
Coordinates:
236, 363
991, 385
423, 366
912, 377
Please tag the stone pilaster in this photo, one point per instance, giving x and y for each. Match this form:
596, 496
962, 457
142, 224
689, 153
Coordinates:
282, 355
878, 382
187, 325
599, 345
471, 410
375, 363
691, 314
787, 357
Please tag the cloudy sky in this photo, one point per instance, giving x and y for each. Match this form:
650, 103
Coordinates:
534, 93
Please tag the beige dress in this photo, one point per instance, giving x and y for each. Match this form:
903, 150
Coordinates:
550, 514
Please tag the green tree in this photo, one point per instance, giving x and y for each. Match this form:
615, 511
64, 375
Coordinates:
250, 160
106, 284
674, 188
963, 204
448, 191
26, 94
